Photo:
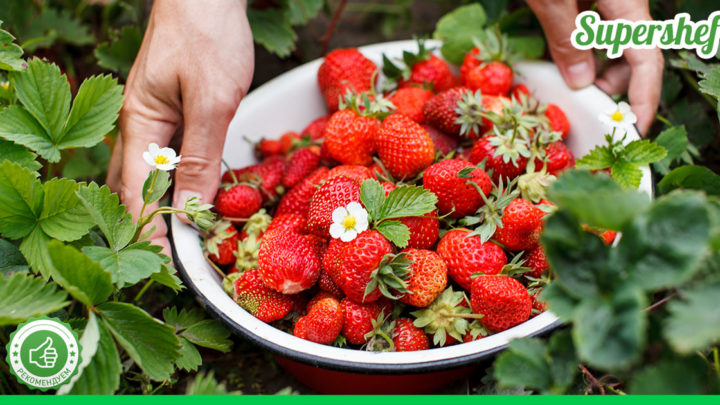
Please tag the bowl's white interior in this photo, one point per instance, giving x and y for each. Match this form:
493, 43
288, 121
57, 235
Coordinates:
290, 102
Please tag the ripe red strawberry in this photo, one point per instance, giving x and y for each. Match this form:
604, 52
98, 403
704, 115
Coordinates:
288, 261
408, 337
223, 243
443, 143
404, 147
332, 261
343, 70
558, 120
521, 226
336, 192
317, 298
260, 301
359, 258
428, 278
608, 237
316, 129
455, 196
492, 104
355, 172
288, 140
502, 301
483, 149
538, 306
349, 137
326, 283
422, 69
558, 158
358, 320
536, 261
289, 223
303, 162
493, 78
268, 147
475, 331
319, 245
239, 201
323, 322
518, 91
440, 111
297, 200
466, 255
267, 175
409, 101
424, 230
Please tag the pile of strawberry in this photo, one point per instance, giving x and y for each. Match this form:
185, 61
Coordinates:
402, 215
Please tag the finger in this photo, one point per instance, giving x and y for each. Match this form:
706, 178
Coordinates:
615, 78
207, 114
557, 18
646, 65
114, 176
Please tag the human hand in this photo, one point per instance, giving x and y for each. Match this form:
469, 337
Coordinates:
44, 356
193, 68
639, 72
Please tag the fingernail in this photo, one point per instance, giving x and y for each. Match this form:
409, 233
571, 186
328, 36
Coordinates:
182, 196
580, 75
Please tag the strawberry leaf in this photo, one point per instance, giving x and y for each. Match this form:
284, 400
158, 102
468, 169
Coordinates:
110, 216
457, 30
155, 186
373, 197
626, 174
119, 55
395, 231
692, 325
23, 296
408, 201
128, 265
599, 158
84, 279
643, 152
10, 53
692, 177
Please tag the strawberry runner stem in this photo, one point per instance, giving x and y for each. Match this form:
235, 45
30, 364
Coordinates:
149, 191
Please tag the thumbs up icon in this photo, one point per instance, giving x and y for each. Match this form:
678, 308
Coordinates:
44, 356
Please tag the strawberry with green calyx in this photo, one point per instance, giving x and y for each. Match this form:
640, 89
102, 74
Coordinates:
357, 264
504, 154
421, 69
287, 262
265, 176
489, 216
404, 147
475, 331
487, 66
391, 277
512, 116
440, 111
350, 133
466, 254
247, 253
358, 320
408, 337
379, 338
260, 301
472, 111
447, 316
257, 224
323, 323
533, 185
501, 300
450, 181
384, 213
228, 282
238, 202
428, 277
519, 91
557, 119
522, 223
344, 70
222, 243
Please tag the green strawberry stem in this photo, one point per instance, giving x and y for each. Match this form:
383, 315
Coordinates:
143, 221
454, 315
231, 171
149, 192
214, 266
143, 290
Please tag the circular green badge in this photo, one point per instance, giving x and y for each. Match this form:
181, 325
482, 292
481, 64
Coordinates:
43, 353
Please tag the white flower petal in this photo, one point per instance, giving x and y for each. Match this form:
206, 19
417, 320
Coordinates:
354, 208
623, 107
148, 158
153, 148
168, 153
166, 167
175, 160
339, 215
630, 118
348, 235
337, 230
361, 224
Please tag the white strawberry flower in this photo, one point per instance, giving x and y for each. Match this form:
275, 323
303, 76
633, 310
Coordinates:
348, 222
620, 116
163, 159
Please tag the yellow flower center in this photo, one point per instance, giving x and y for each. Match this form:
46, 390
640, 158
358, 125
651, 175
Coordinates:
349, 222
161, 160
5, 85
617, 116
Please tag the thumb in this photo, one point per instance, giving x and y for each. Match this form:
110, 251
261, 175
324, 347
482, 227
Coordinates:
557, 18
207, 114
45, 344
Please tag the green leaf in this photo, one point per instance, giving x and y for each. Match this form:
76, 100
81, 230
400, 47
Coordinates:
559, 301
190, 358
23, 296
675, 141
18, 154
84, 279
10, 53
457, 30
601, 157
272, 30
110, 216
167, 277
159, 188
670, 377
183, 319
208, 333
129, 265
45, 92
302, 11
660, 248
120, 54
530, 47
710, 83
52, 25
610, 335
395, 231
372, 196
205, 384
408, 201
694, 321
20, 199
643, 152
596, 199
149, 342
17, 125
102, 374
692, 177
626, 174
63, 216
93, 113
34, 248
11, 259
